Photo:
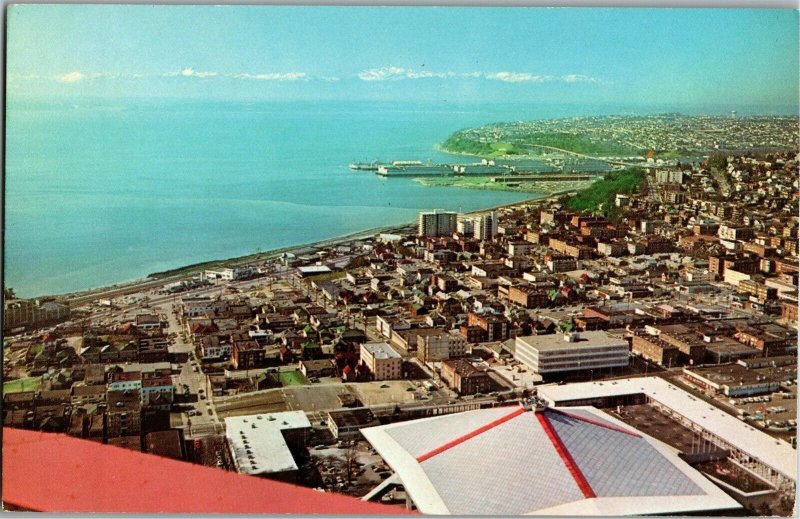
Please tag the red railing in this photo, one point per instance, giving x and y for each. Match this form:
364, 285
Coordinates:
57, 473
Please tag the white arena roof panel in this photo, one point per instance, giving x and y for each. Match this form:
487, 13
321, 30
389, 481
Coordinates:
513, 461
421, 436
474, 494
620, 471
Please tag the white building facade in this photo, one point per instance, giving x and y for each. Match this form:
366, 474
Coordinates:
547, 354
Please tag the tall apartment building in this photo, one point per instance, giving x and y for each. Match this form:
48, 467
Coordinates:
732, 233
556, 353
482, 227
123, 413
434, 223
486, 226
442, 346
382, 361
495, 326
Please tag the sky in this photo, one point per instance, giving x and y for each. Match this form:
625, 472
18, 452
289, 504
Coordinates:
548, 55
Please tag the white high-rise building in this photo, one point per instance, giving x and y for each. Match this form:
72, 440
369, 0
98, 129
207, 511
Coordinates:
486, 226
466, 225
434, 223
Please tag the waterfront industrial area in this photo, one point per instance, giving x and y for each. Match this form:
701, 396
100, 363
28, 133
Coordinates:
636, 342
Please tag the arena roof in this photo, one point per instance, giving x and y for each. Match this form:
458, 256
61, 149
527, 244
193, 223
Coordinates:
774, 453
512, 461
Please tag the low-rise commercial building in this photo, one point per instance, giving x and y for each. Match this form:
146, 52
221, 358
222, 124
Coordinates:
465, 378
347, 424
556, 353
268, 444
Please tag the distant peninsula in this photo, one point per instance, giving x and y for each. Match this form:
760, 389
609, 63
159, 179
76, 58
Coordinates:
663, 136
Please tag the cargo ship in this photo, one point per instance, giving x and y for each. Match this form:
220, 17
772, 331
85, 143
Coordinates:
366, 166
413, 168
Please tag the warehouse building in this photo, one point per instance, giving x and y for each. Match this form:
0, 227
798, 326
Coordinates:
267, 444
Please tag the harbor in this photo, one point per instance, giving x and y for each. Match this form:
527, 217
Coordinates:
485, 168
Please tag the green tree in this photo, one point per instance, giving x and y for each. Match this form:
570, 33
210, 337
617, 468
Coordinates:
8, 293
718, 161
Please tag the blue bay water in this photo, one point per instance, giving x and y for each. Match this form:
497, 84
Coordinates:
103, 192
97, 195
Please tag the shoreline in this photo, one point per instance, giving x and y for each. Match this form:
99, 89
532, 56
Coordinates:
185, 272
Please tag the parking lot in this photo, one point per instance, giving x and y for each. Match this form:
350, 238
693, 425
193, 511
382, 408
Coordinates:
316, 397
271, 401
385, 392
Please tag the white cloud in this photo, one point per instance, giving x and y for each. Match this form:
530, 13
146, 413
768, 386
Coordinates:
77, 76
190, 72
578, 78
382, 74
24, 77
518, 77
274, 76
397, 73
71, 77
329, 78
393, 73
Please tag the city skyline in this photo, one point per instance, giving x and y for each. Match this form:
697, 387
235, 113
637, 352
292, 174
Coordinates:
636, 56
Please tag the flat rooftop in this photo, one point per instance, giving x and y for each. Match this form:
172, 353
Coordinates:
734, 375
584, 340
380, 350
257, 444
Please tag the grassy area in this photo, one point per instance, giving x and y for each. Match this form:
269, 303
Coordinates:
504, 148
22, 384
600, 198
667, 154
461, 142
458, 143
290, 378
579, 144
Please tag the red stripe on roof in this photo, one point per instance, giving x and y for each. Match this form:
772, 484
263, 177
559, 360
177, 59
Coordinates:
562, 451
57, 473
476, 432
596, 422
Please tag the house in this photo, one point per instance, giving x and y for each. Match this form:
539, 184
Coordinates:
148, 322
165, 443
153, 350
317, 368
247, 354
157, 391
